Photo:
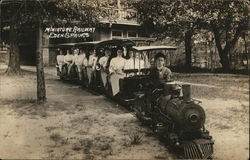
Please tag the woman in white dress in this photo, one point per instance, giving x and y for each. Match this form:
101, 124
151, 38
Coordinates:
116, 68
60, 60
79, 62
91, 64
68, 59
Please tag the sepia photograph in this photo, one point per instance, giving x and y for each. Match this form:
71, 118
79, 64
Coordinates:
124, 79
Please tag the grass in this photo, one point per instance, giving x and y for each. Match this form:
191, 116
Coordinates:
182, 69
23, 101
135, 138
225, 86
56, 137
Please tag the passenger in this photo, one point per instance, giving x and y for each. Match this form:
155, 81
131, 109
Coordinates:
60, 60
134, 62
91, 64
74, 57
116, 71
129, 63
68, 59
146, 60
84, 68
152, 62
117, 64
103, 61
92, 59
159, 71
79, 62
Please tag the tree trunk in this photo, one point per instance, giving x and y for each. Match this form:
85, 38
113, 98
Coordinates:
188, 49
41, 90
14, 61
223, 53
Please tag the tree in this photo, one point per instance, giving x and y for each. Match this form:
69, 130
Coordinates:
41, 89
9, 20
181, 19
14, 62
34, 13
228, 20
174, 19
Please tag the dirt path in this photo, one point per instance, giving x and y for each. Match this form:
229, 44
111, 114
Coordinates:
73, 124
228, 123
76, 124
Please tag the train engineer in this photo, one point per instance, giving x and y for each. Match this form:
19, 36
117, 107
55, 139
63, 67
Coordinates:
159, 71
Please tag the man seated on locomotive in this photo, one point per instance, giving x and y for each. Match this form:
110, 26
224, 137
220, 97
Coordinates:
60, 60
159, 71
68, 59
117, 63
79, 62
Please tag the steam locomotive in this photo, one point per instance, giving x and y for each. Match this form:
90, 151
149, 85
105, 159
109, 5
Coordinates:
166, 107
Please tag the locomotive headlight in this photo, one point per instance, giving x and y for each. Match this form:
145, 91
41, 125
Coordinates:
193, 118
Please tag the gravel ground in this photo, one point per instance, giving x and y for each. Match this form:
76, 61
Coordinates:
72, 124
76, 124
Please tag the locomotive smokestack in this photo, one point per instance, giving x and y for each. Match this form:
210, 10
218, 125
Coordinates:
186, 90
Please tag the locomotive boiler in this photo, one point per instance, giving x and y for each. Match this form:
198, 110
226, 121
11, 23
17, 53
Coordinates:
175, 116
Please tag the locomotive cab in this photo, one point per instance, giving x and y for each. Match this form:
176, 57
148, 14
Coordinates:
137, 81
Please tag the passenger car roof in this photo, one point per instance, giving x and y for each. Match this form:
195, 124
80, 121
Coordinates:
118, 42
142, 39
88, 43
64, 45
151, 48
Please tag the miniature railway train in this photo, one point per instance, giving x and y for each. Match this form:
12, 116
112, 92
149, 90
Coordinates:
165, 106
